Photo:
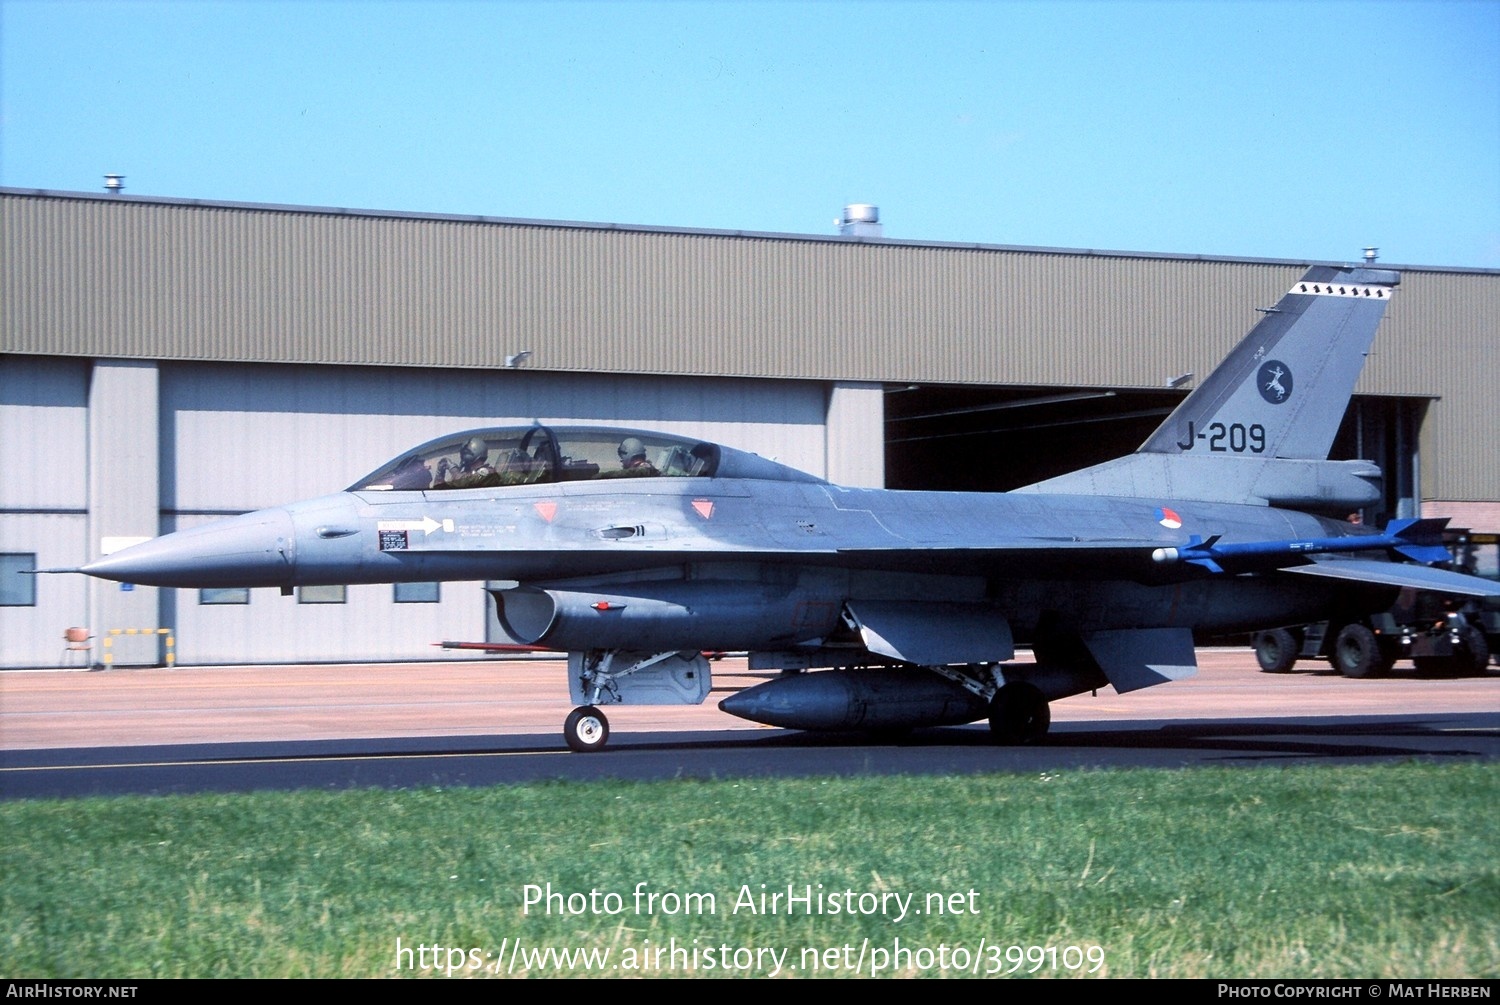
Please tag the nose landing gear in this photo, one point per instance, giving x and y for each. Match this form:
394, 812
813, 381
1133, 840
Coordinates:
586, 730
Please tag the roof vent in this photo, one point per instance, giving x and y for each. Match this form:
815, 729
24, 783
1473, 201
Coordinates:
860, 219
114, 184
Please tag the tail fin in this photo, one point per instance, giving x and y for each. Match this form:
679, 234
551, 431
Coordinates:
1259, 428
1282, 392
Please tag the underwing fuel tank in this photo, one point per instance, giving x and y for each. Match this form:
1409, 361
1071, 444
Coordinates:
877, 698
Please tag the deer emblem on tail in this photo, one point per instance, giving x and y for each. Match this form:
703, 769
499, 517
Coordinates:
1274, 384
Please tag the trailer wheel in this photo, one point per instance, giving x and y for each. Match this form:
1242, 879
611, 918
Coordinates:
1356, 652
1473, 656
1470, 657
1276, 651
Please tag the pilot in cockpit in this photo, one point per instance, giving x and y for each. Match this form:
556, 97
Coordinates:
473, 470
633, 458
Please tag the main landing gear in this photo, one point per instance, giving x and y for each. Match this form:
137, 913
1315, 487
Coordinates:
1019, 713
619, 677
1018, 710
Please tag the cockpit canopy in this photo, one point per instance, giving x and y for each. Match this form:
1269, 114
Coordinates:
533, 455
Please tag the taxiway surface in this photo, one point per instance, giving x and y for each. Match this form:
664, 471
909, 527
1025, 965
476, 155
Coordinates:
481, 722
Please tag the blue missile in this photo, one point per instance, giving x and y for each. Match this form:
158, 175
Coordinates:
1417, 540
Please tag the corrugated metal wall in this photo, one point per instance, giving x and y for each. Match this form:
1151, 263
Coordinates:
1442, 336
112, 277
101, 276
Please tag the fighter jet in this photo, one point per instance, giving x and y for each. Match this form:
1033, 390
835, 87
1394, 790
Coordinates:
637, 552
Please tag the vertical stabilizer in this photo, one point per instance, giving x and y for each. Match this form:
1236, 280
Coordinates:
1283, 391
1259, 428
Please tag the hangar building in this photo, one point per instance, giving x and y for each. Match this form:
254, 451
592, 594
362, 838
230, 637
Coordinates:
169, 361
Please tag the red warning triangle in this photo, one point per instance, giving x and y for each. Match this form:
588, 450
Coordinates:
546, 510
704, 507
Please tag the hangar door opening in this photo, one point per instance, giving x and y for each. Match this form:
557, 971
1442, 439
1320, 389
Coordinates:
992, 439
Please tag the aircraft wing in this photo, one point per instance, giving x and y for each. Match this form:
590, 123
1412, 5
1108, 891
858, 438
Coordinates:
1399, 574
1098, 559
1102, 559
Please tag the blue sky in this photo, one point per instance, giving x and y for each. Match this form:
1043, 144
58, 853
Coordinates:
1287, 130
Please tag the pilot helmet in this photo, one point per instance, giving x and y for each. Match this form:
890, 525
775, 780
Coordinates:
474, 450
632, 449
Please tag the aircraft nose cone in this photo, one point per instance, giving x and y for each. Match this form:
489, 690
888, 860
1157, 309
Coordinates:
256, 549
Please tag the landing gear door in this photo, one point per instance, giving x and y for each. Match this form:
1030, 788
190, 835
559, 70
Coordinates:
933, 634
616, 677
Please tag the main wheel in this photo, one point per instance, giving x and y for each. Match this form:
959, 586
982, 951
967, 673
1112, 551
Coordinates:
1276, 651
1019, 714
1356, 652
586, 730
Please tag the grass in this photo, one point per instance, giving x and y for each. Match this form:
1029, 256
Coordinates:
1374, 871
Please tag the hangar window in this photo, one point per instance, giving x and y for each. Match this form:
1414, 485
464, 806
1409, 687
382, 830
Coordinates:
321, 594
226, 595
17, 584
417, 593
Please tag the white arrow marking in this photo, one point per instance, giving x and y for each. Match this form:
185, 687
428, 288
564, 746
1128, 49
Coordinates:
426, 525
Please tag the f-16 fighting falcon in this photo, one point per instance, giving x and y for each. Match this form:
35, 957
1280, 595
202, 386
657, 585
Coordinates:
636, 552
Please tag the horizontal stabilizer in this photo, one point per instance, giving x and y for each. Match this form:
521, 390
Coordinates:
933, 634
1399, 574
1134, 658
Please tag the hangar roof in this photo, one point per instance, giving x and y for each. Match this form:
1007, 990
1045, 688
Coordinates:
390, 214
104, 275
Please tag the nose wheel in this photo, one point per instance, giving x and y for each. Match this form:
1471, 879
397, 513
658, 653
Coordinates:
586, 730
